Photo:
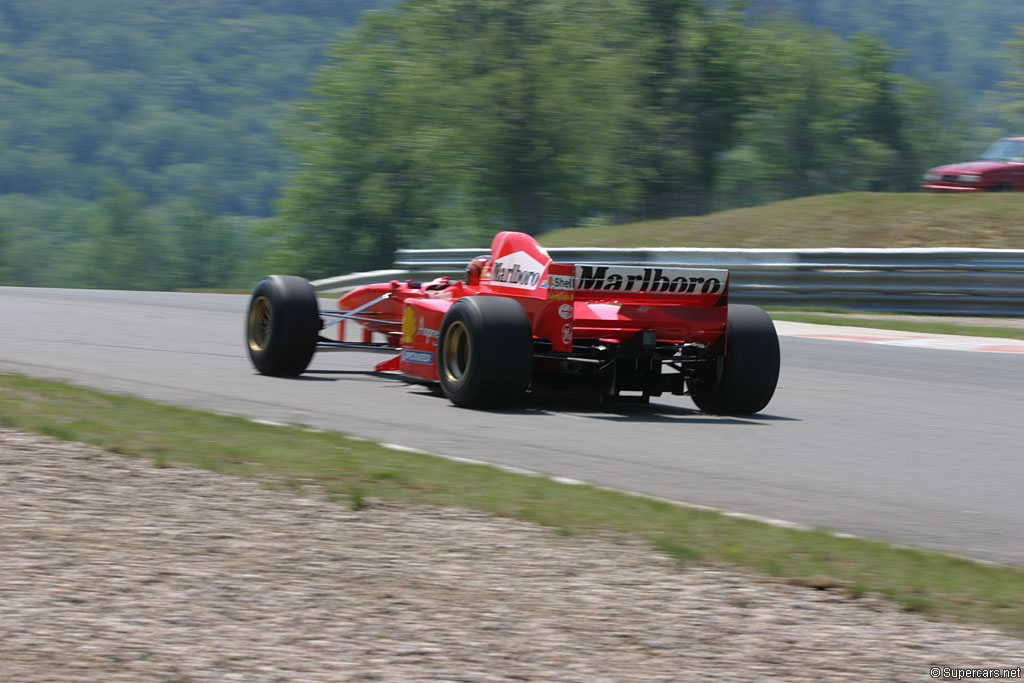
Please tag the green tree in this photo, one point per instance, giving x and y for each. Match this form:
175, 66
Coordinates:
34, 234
664, 162
473, 116
953, 45
717, 100
171, 98
125, 249
826, 116
881, 131
207, 251
801, 114
693, 84
5, 250
482, 115
1008, 107
356, 193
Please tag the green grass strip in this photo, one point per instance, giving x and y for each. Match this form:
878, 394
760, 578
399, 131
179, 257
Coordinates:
924, 327
356, 473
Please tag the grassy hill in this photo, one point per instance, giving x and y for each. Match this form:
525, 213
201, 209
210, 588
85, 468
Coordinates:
856, 219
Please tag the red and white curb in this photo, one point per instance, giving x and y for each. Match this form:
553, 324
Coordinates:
950, 342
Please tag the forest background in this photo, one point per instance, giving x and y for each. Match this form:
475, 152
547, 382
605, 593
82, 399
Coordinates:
161, 144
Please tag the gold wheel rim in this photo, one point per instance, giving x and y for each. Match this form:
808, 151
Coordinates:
456, 352
260, 320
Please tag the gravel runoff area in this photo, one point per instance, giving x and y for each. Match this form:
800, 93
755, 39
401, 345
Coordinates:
114, 569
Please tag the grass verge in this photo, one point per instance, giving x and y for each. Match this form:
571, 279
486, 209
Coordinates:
879, 323
356, 473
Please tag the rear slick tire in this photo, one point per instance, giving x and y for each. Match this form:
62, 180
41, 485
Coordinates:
749, 372
282, 325
485, 352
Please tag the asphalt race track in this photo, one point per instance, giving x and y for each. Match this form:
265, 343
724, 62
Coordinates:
917, 446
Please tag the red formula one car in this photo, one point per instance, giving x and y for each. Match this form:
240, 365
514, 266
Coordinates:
520, 321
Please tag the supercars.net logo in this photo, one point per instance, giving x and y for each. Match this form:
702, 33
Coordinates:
518, 270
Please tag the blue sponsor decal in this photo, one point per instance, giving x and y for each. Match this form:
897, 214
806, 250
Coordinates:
424, 357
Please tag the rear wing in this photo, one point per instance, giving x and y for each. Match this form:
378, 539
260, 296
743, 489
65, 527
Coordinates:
670, 285
519, 266
676, 304
572, 301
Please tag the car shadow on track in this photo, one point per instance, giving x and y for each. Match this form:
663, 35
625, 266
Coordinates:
578, 405
660, 413
316, 375
588, 408
648, 413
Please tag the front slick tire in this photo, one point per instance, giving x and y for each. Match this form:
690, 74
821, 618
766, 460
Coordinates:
750, 369
282, 325
485, 352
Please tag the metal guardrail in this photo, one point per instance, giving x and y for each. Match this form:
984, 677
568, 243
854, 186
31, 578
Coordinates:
927, 280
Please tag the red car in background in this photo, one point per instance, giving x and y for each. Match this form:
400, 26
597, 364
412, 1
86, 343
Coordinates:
1001, 168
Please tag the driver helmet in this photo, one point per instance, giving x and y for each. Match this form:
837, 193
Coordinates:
475, 269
